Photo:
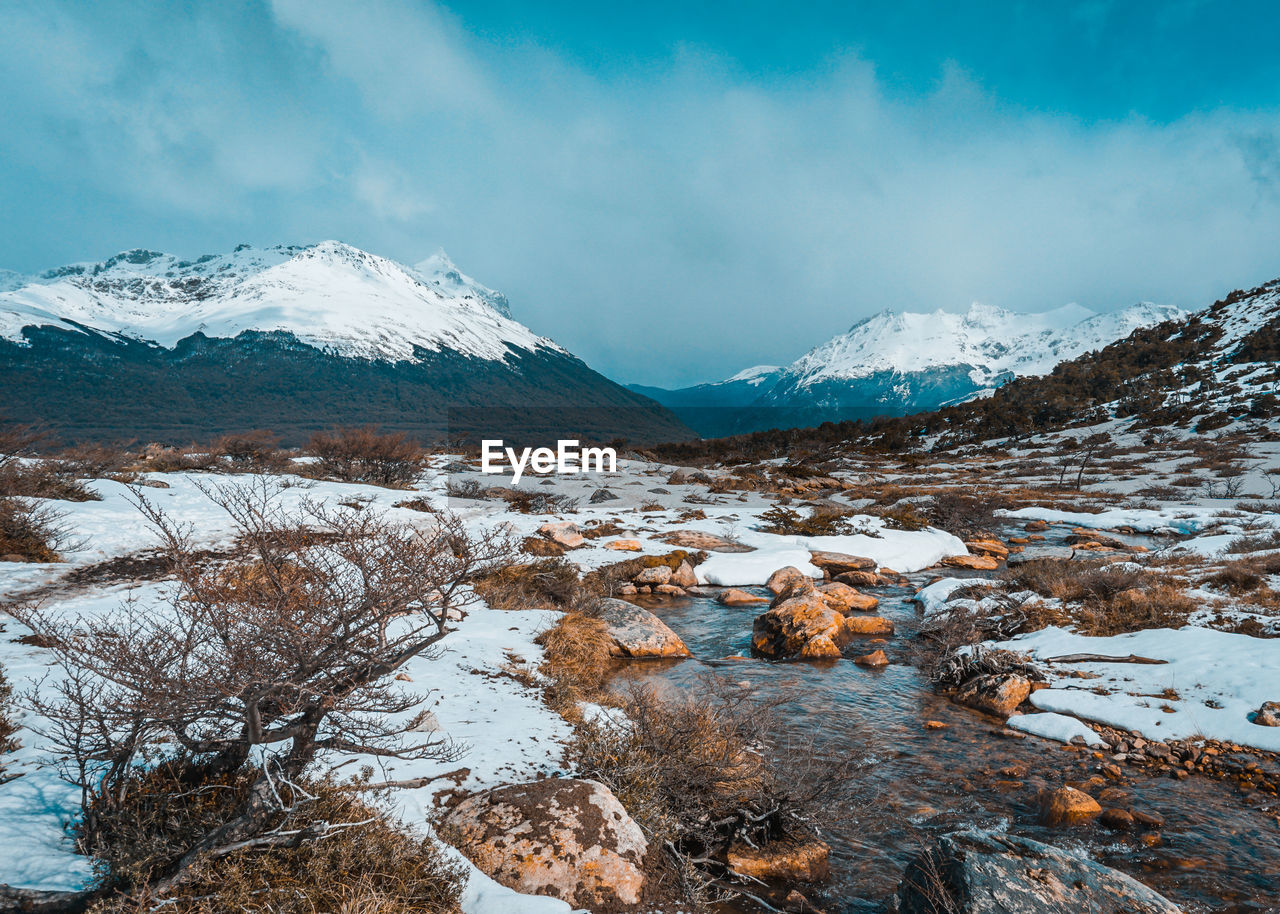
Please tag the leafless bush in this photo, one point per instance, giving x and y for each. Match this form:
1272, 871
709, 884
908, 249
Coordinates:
526, 502
364, 455
1104, 599
263, 664
32, 531
705, 772
255, 451
467, 488
23, 473
786, 522
962, 513
8, 742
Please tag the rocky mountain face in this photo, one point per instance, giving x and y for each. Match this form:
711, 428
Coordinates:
145, 345
896, 363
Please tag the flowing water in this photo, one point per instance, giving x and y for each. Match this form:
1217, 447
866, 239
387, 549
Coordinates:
1219, 849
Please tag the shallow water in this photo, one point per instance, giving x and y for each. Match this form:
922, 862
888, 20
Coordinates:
1220, 849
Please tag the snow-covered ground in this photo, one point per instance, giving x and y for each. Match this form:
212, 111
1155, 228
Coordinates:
509, 735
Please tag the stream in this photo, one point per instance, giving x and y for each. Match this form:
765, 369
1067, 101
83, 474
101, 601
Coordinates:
1219, 849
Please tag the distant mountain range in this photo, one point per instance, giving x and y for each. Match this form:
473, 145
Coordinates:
896, 363
295, 339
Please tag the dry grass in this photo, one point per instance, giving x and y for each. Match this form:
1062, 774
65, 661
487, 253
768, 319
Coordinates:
1100, 599
577, 662
545, 584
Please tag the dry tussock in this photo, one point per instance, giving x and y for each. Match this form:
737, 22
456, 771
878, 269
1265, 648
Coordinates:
577, 662
1101, 599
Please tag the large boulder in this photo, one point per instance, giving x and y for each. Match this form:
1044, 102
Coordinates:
843, 598
657, 574
683, 576
638, 633
789, 578
800, 626
563, 837
834, 563
996, 693
982, 872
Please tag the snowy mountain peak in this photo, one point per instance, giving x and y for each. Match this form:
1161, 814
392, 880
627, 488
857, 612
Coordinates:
988, 339
330, 295
440, 271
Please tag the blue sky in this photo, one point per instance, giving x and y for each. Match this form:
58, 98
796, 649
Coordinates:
673, 190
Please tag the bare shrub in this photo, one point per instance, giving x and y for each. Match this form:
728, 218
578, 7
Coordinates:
263, 664
358, 860
23, 473
786, 522
159, 459
467, 488
31, 531
702, 773
8, 742
364, 455
256, 451
962, 513
533, 502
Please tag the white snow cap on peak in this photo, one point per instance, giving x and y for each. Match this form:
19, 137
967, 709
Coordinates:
440, 271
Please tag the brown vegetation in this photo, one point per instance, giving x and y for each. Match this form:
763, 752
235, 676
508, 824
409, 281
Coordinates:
291, 646
339, 852
364, 455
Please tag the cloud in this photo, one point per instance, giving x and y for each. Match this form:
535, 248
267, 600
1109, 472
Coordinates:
671, 223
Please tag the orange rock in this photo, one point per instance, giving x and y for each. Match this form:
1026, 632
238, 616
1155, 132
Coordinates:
867, 625
972, 562
834, 563
800, 626
858, 578
624, 545
843, 598
1067, 806
805, 862
935, 725
989, 547
735, 597
875, 658
996, 693
1035, 526
789, 577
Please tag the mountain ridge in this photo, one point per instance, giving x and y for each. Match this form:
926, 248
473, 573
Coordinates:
295, 338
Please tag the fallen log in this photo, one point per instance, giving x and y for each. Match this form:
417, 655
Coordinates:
1102, 658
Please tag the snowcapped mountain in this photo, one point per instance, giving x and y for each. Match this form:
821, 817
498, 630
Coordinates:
341, 334
898, 362
332, 296
911, 361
